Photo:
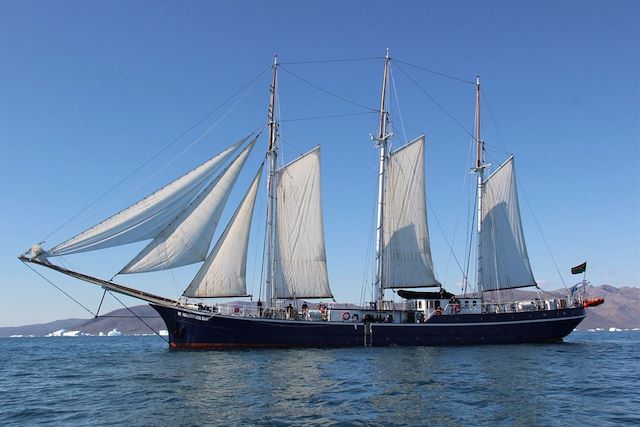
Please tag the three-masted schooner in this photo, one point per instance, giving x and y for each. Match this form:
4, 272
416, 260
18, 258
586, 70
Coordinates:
180, 219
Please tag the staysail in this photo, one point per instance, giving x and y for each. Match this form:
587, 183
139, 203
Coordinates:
224, 272
145, 219
187, 238
407, 252
503, 259
300, 258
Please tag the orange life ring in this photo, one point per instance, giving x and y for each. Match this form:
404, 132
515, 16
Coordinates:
346, 315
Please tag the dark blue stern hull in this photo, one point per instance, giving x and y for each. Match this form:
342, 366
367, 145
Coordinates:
190, 330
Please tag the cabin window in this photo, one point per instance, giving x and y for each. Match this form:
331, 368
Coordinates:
419, 304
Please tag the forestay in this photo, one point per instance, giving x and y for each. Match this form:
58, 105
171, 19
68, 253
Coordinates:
406, 248
146, 218
223, 273
503, 259
187, 238
300, 258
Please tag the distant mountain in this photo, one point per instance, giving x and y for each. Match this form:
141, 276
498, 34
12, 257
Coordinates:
40, 329
621, 309
122, 320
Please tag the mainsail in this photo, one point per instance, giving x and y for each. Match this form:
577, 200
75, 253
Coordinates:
406, 248
187, 238
503, 259
300, 258
146, 218
223, 273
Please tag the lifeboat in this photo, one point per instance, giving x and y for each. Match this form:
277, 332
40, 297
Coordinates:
592, 302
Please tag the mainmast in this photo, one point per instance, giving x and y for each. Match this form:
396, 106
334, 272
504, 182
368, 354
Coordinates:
382, 143
479, 169
272, 153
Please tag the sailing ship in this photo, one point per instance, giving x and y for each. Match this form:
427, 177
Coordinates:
180, 219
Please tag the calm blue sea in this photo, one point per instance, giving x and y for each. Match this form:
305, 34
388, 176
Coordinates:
593, 378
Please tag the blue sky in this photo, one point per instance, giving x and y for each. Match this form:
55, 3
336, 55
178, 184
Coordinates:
91, 90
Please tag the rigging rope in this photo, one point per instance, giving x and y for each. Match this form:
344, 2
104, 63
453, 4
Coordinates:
448, 76
190, 146
328, 61
469, 249
95, 315
165, 148
395, 92
436, 102
495, 124
331, 116
535, 219
542, 235
138, 317
446, 240
60, 289
326, 92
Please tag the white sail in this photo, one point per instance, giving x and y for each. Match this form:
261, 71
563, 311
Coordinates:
406, 248
503, 259
187, 238
145, 219
223, 273
300, 258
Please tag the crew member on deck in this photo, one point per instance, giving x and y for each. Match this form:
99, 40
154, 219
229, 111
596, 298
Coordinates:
259, 304
323, 310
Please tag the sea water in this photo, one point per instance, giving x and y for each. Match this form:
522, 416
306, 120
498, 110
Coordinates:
593, 378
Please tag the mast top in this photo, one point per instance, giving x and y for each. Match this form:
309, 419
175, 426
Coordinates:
387, 55
273, 132
479, 143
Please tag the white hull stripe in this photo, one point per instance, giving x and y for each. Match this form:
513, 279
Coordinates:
384, 325
498, 323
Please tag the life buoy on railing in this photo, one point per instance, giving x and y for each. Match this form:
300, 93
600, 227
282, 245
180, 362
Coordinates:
346, 315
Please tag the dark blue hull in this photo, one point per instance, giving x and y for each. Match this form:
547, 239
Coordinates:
188, 329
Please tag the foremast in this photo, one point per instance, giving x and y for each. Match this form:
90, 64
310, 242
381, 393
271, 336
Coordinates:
479, 170
382, 141
272, 154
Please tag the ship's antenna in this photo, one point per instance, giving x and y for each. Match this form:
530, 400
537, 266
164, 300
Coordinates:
272, 153
383, 136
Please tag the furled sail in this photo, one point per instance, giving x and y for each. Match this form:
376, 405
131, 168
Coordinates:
300, 259
407, 252
503, 259
145, 219
187, 238
223, 273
